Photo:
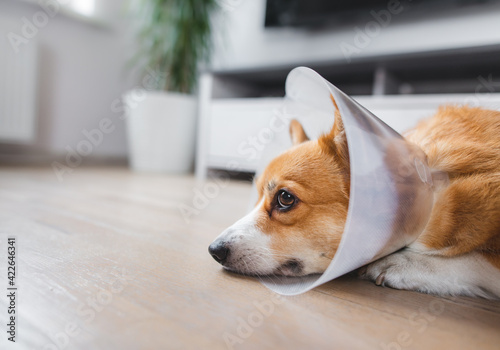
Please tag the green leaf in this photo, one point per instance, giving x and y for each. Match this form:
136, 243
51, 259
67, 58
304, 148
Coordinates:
174, 37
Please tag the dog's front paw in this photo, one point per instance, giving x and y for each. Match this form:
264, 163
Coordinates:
400, 270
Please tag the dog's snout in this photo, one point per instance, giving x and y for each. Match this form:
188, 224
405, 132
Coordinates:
219, 251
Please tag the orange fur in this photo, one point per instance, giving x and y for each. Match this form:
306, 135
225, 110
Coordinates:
316, 223
297, 133
463, 141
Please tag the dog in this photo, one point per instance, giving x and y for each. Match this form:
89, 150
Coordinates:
297, 224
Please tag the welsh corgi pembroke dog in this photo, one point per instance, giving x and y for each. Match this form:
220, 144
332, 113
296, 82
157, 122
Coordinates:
297, 225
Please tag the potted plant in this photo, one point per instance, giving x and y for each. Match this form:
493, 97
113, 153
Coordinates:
174, 37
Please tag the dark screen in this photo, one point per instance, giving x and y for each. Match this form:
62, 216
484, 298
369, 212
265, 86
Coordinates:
282, 13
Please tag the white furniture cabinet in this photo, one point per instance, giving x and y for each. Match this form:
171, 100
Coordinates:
235, 133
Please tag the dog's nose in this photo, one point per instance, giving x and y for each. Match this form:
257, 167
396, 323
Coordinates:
219, 251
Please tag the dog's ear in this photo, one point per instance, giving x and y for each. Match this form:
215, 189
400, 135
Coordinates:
297, 133
336, 142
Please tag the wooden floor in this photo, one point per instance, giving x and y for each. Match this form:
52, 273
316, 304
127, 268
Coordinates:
106, 260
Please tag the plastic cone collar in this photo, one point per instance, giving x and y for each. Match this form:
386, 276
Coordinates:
391, 187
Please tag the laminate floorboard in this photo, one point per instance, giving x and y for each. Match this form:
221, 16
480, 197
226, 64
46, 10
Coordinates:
105, 259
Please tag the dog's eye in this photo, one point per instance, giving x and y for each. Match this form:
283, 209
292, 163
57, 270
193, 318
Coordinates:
285, 199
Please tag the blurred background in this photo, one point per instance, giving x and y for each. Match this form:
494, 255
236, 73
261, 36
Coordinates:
149, 84
113, 113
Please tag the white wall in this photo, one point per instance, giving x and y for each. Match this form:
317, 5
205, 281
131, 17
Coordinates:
81, 72
82, 64
246, 44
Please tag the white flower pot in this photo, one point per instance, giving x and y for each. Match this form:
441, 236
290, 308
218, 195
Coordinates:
161, 131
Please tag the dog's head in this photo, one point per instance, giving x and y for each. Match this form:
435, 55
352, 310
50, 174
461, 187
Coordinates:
296, 226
